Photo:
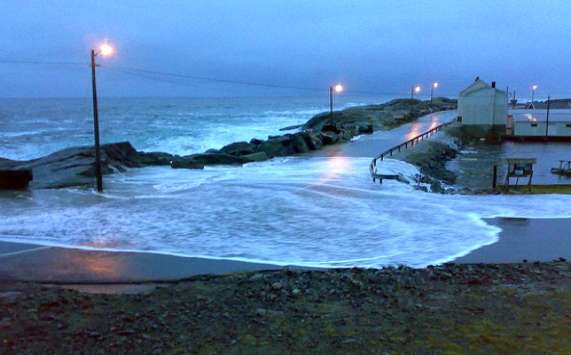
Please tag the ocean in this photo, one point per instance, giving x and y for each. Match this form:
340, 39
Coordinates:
308, 210
31, 128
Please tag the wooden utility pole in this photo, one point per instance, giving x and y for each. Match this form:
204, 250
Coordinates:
547, 117
98, 174
331, 100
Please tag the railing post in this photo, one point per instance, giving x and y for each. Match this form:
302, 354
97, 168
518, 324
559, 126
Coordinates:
495, 177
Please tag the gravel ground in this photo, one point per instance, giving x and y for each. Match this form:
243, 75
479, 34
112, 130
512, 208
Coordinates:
485, 308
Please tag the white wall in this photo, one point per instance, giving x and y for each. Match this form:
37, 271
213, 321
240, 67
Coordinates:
556, 129
483, 107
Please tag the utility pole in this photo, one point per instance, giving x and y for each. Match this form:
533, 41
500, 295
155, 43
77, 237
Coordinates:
98, 174
331, 100
547, 117
105, 50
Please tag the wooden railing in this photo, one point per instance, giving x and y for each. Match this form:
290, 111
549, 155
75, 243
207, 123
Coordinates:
409, 143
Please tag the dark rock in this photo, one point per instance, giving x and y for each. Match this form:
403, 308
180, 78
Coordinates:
291, 128
238, 148
275, 147
330, 128
255, 141
213, 159
76, 166
313, 141
329, 137
298, 143
15, 179
259, 156
186, 164
368, 129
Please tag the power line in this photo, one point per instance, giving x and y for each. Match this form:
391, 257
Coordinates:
37, 62
162, 77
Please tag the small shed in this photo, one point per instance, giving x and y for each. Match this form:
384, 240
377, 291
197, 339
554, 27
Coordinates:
482, 104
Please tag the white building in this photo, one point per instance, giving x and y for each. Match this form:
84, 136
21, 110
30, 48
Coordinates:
533, 123
481, 104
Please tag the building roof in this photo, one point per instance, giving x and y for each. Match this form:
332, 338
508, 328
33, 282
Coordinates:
477, 85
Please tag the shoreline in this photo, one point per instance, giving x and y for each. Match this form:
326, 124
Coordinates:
517, 242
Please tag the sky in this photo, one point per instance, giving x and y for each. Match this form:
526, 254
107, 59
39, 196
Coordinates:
372, 46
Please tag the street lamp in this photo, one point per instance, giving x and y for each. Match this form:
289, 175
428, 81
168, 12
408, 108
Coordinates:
336, 89
432, 88
533, 90
105, 50
415, 89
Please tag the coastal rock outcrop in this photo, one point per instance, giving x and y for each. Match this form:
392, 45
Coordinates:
75, 166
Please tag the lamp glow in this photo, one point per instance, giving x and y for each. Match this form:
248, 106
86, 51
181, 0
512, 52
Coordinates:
435, 85
106, 50
534, 87
417, 89
339, 88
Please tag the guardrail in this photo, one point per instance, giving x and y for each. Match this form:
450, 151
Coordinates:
409, 143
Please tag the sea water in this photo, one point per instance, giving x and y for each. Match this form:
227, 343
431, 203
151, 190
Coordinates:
303, 210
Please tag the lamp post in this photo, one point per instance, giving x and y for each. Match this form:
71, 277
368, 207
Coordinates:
432, 88
533, 89
104, 50
336, 89
415, 89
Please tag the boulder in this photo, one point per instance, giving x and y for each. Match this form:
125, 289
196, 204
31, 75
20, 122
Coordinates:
275, 147
330, 128
329, 137
15, 179
213, 159
259, 156
186, 164
346, 135
368, 129
238, 148
76, 166
298, 143
313, 141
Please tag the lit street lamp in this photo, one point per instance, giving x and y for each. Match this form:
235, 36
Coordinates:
104, 50
533, 90
432, 88
337, 89
415, 89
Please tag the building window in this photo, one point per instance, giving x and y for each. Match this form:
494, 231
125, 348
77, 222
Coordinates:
534, 125
568, 125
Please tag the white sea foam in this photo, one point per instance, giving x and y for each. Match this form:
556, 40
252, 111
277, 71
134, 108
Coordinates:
303, 211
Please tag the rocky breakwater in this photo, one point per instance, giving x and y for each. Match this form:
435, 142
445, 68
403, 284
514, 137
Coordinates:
321, 130
75, 166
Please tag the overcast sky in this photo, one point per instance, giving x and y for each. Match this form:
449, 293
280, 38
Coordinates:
378, 46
